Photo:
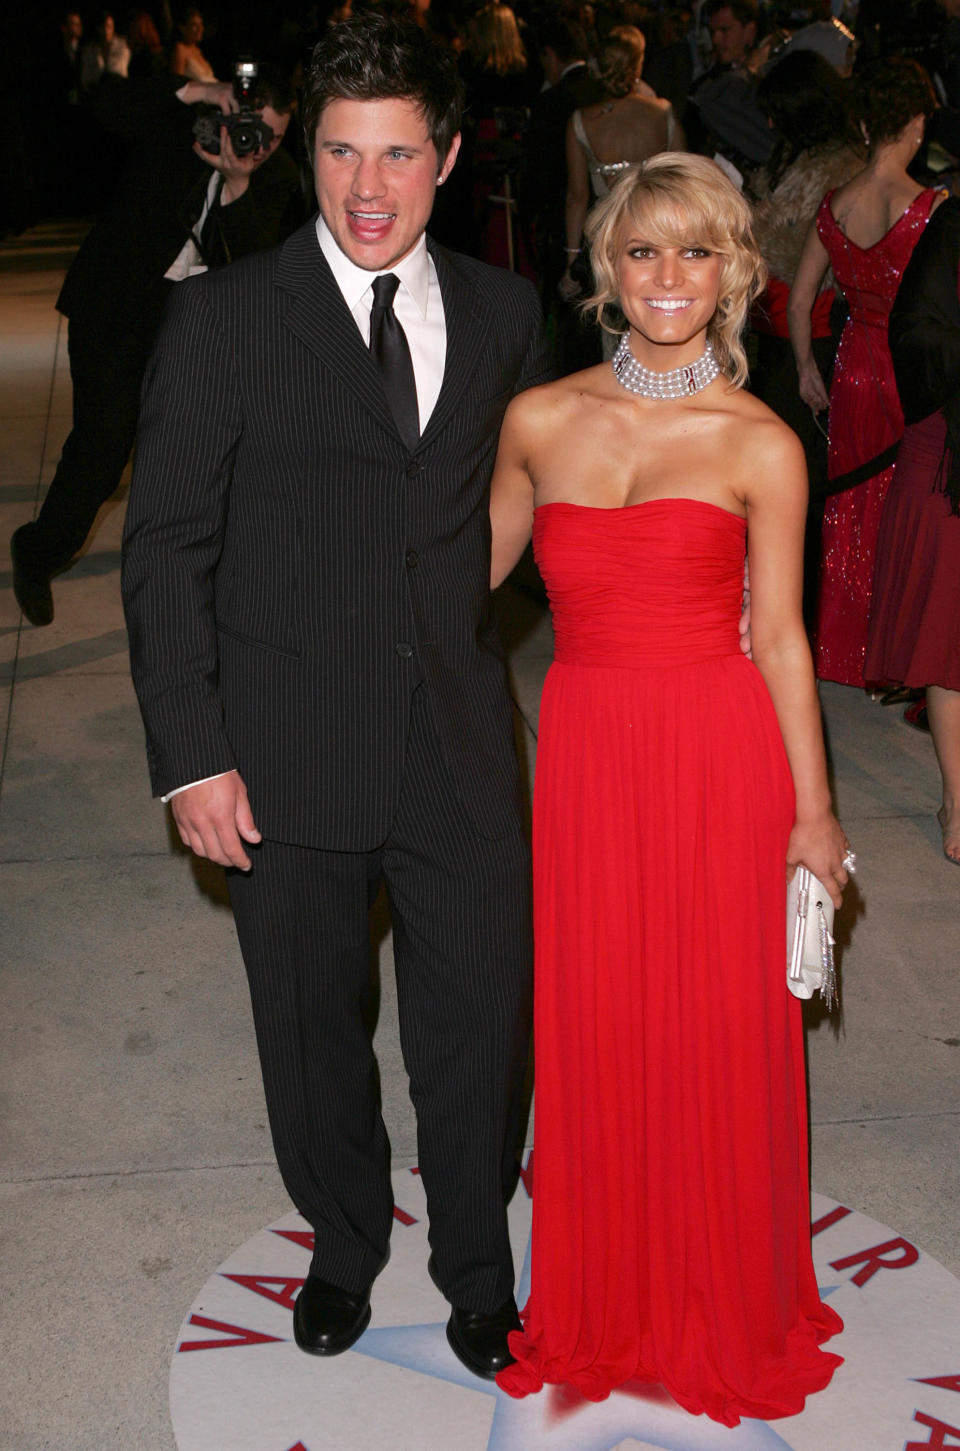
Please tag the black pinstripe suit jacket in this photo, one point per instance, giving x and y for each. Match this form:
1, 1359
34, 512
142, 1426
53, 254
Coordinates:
291, 571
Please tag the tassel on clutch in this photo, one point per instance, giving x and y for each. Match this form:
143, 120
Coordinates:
810, 940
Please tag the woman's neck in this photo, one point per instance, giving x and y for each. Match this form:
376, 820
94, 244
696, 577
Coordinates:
664, 357
890, 160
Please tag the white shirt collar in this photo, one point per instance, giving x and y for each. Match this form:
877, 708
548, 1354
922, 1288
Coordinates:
354, 282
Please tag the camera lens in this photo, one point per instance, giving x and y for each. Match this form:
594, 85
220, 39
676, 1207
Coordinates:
245, 137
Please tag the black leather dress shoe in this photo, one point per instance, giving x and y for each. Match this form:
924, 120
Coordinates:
480, 1340
31, 581
326, 1319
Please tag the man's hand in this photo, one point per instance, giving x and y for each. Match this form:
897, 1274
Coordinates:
212, 93
213, 816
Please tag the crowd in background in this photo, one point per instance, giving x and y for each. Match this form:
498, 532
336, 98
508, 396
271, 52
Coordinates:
800, 102
707, 61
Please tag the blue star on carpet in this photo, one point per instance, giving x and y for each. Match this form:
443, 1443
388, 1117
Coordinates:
559, 1419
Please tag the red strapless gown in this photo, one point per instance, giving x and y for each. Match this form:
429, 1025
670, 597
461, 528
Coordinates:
671, 1230
865, 421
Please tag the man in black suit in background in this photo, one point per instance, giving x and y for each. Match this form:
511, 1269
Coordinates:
306, 582
562, 47
176, 209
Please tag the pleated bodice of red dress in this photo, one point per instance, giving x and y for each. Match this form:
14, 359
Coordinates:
671, 1231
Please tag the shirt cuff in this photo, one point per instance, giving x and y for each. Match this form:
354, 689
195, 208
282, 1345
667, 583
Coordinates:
176, 792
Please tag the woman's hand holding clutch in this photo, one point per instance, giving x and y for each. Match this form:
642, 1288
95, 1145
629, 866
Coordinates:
820, 844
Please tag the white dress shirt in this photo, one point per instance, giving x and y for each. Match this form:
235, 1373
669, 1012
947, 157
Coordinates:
417, 304
189, 260
419, 309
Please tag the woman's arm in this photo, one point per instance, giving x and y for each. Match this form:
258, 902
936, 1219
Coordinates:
511, 493
776, 510
578, 203
813, 263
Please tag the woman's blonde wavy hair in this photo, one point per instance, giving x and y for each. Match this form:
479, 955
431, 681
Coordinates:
679, 200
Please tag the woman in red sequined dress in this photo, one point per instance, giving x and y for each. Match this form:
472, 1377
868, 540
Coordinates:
866, 231
675, 782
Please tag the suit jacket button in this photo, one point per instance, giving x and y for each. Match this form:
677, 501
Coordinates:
404, 650
413, 559
413, 468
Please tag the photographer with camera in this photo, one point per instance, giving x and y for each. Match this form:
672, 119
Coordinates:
236, 129
205, 181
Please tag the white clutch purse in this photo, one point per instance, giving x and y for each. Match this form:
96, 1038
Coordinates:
810, 940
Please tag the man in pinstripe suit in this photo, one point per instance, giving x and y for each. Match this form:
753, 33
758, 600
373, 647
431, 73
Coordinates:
306, 583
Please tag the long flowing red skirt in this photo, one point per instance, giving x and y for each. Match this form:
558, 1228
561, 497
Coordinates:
671, 1232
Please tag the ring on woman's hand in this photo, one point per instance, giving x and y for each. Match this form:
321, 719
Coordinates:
850, 862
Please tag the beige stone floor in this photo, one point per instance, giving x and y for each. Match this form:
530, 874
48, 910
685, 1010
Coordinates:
134, 1154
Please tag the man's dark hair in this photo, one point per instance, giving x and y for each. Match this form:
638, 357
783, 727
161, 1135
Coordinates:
808, 103
743, 10
275, 88
565, 37
372, 57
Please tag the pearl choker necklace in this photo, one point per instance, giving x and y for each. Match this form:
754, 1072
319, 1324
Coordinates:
678, 383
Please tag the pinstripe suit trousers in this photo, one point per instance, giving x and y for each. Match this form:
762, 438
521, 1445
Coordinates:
460, 911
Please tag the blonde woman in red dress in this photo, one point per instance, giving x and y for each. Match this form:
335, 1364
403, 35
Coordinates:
678, 783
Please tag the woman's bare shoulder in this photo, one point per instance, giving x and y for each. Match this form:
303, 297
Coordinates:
758, 430
548, 404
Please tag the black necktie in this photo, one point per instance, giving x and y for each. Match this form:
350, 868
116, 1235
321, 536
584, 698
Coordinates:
391, 352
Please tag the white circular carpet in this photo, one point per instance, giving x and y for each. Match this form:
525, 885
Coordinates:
239, 1383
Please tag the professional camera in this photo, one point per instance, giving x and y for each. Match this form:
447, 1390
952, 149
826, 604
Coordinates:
247, 130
